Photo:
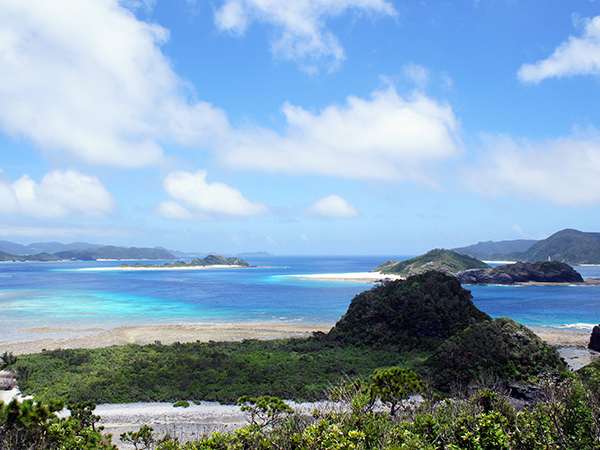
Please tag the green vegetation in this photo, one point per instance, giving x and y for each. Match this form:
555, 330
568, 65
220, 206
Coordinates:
416, 314
495, 251
566, 419
181, 404
446, 261
210, 260
92, 254
500, 349
300, 369
569, 246
38, 257
35, 425
112, 252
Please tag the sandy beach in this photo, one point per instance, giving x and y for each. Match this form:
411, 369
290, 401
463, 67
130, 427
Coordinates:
162, 267
360, 277
148, 334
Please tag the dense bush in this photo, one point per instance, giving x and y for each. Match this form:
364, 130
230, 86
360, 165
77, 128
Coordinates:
500, 349
417, 313
300, 369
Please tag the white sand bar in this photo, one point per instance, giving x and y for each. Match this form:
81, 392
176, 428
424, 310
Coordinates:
362, 277
163, 267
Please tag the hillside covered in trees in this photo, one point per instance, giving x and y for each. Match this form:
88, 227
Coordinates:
569, 246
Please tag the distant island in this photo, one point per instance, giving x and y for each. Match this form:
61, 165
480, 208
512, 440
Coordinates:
537, 272
472, 271
209, 261
94, 254
569, 246
446, 261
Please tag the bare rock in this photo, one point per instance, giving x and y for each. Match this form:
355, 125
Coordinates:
595, 339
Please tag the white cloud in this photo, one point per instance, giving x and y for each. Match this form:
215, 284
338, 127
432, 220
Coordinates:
417, 74
576, 56
332, 207
564, 171
59, 194
382, 138
194, 198
84, 77
300, 23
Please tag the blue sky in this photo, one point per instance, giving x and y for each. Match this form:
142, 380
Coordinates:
304, 127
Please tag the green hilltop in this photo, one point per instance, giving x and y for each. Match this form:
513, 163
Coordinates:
446, 261
569, 246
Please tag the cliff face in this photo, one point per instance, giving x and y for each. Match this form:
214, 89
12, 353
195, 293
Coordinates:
539, 272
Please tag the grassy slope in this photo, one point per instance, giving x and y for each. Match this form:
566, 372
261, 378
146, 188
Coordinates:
446, 261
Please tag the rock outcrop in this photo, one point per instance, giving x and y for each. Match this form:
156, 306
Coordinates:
539, 272
595, 339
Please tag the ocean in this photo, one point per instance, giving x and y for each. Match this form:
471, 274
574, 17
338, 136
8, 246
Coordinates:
41, 299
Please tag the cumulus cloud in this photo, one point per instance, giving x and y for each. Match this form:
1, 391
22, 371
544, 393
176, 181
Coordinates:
84, 77
332, 207
59, 194
194, 198
300, 24
564, 171
576, 56
382, 138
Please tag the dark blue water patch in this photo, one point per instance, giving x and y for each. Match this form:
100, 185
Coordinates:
541, 305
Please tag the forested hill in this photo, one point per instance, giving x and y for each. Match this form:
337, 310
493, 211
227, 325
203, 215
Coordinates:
92, 254
495, 251
446, 261
420, 312
568, 246
112, 252
210, 260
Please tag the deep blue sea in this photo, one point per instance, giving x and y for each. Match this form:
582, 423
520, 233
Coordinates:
38, 297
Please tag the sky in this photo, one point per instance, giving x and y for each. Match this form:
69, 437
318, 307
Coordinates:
321, 127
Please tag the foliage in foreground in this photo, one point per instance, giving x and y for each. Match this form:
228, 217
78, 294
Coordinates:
567, 419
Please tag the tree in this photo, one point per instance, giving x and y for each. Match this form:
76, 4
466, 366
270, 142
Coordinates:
264, 410
394, 385
8, 360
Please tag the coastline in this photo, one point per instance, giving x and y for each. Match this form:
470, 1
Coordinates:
166, 334
360, 277
571, 343
158, 267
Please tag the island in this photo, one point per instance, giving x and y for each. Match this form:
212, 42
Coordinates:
109, 252
537, 272
446, 261
472, 271
198, 263
570, 246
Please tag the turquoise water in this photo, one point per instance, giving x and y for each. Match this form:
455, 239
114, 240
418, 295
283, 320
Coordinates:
38, 297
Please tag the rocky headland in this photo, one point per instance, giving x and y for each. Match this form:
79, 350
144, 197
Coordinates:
508, 274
